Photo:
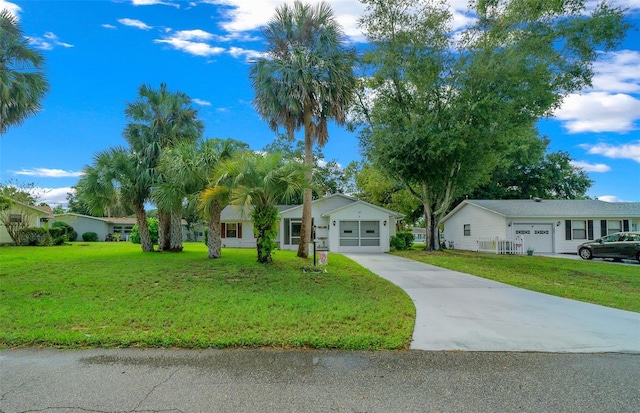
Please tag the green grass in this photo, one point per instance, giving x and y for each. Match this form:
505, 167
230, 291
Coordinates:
603, 283
114, 295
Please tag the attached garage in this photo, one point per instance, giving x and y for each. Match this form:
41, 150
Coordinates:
538, 237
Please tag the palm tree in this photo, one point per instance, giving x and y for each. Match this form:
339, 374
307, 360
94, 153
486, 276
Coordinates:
306, 80
258, 182
22, 82
114, 171
187, 169
160, 119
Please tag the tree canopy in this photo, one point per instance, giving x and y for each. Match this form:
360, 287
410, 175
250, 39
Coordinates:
442, 108
306, 80
22, 80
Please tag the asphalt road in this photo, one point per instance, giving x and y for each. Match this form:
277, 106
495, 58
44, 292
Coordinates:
129, 380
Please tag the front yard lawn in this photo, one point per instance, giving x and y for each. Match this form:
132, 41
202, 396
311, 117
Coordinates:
603, 283
114, 295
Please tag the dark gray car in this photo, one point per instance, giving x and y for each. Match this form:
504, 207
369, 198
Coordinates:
617, 246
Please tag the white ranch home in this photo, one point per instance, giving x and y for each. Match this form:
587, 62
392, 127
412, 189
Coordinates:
546, 226
340, 223
27, 215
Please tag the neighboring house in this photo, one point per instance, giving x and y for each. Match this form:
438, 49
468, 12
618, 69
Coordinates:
419, 234
546, 226
107, 227
25, 215
103, 226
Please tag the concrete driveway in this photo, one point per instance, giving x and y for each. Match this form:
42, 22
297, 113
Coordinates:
456, 311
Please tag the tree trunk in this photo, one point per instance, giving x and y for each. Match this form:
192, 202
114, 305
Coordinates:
214, 241
164, 231
175, 237
430, 234
305, 227
143, 227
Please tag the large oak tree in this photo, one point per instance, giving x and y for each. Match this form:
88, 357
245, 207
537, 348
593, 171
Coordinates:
443, 106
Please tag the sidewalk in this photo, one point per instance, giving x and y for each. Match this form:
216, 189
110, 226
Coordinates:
456, 311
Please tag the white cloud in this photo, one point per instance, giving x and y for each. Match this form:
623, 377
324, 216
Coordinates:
248, 54
196, 34
243, 15
134, 23
629, 150
618, 72
53, 196
599, 112
201, 102
587, 167
609, 198
194, 48
153, 3
48, 173
109, 26
47, 42
12, 7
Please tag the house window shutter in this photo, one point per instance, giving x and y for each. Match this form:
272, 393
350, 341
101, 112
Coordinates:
590, 228
625, 225
567, 229
239, 229
223, 230
603, 227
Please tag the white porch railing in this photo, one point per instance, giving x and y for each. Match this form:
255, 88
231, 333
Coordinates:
501, 246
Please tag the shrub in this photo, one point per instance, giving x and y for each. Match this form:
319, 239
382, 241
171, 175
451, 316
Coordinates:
34, 237
153, 230
72, 235
402, 241
90, 237
58, 235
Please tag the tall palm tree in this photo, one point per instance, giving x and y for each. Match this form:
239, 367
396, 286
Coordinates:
188, 169
22, 81
306, 80
258, 182
160, 119
114, 171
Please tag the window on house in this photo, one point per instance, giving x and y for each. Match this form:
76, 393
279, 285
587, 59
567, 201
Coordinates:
15, 218
467, 230
232, 230
579, 229
614, 226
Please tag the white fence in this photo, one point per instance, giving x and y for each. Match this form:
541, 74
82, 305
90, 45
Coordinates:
501, 246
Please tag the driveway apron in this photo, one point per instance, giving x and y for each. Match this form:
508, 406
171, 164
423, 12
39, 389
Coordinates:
456, 311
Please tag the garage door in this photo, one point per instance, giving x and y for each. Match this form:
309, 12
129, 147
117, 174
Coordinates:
536, 236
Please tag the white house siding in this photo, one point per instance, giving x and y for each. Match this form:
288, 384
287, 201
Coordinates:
82, 224
571, 246
34, 217
482, 223
360, 212
246, 240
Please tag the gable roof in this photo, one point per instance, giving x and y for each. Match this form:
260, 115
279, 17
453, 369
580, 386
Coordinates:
553, 208
349, 198
41, 210
385, 210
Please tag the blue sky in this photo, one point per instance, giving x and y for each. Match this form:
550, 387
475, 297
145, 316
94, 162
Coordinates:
99, 52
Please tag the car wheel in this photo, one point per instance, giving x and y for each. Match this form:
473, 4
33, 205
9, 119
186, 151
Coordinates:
585, 254
638, 257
